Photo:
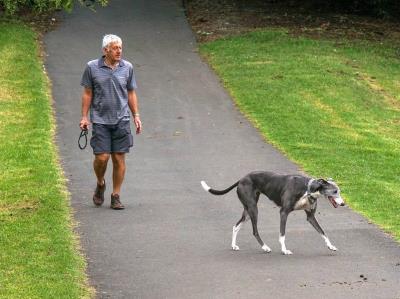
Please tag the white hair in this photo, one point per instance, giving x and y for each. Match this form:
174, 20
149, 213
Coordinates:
110, 38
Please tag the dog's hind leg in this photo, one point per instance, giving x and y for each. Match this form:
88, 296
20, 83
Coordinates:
249, 198
253, 213
237, 228
311, 219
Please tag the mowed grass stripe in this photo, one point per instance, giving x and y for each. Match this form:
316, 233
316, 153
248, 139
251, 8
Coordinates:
39, 255
334, 108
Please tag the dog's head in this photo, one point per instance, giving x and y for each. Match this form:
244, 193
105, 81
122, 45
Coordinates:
328, 189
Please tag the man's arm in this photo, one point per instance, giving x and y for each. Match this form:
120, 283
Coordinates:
133, 105
86, 101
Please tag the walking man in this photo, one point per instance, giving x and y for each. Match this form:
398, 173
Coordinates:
108, 94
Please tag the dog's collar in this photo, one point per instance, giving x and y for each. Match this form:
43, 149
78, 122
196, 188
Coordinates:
309, 186
309, 194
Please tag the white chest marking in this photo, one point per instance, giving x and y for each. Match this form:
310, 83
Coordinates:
303, 203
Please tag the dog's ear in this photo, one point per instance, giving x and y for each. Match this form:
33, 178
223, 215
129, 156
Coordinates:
316, 185
323, 182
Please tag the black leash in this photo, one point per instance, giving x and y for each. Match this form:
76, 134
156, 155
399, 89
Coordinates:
83, 134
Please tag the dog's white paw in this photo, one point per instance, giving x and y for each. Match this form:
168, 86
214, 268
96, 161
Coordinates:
331, 247
328, 243
266, 248
286, 252
235, 248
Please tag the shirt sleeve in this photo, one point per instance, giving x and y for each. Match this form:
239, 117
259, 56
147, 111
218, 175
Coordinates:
86, 80
131, 83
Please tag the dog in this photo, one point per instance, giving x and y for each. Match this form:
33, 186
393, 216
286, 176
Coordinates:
289, 192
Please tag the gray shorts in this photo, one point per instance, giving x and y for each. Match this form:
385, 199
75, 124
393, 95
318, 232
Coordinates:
111, 138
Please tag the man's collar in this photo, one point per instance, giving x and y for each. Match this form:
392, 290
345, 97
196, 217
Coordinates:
102, 63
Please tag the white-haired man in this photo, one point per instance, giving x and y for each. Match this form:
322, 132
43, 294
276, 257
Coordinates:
108, 94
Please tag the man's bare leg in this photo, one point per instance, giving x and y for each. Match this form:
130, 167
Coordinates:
118, 171
100, 166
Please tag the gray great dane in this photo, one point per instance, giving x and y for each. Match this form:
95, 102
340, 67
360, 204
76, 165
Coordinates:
289, 192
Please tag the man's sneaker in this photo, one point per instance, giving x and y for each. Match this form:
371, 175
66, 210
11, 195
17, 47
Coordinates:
98, 196
116, 203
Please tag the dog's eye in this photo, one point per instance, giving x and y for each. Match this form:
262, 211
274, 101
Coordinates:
335, 192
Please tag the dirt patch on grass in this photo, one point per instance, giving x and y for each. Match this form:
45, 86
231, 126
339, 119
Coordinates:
11, 212
216, 19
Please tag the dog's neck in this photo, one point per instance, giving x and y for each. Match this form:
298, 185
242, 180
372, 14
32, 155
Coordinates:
310, 196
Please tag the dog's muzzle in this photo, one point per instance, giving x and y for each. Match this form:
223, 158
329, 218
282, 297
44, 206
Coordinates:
336, 201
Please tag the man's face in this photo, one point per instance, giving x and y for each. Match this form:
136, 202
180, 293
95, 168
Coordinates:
113, 52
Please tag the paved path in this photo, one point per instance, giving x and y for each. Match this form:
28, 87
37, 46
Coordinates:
173, 240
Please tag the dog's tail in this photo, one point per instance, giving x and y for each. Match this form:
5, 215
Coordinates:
217, 192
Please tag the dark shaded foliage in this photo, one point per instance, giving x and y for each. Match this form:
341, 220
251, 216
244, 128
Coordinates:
376, 8
15, 7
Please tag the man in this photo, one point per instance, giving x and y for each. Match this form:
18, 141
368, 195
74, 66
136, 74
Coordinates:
109, 93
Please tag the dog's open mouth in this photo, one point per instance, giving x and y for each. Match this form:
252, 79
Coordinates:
333, 202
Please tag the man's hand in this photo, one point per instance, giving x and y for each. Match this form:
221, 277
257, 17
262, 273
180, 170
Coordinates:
138, 124
84, 124
86, 100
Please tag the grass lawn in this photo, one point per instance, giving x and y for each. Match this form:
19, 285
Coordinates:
334, 108
39, 255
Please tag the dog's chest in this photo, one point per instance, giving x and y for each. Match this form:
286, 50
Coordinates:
303, 203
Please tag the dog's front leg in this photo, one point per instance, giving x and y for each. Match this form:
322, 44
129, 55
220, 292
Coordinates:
311, 219
284, 215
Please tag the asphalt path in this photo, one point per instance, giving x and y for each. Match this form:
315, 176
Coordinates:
173, 239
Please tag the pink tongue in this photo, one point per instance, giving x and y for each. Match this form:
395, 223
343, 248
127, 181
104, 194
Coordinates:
333, 202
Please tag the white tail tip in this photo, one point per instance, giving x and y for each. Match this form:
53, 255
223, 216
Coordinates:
205, 186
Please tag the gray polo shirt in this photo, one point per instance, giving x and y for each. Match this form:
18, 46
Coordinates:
109, 90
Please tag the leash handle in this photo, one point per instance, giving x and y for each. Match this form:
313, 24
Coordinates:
83, 134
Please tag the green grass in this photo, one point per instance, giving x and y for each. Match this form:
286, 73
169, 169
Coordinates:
333, 108
39, 255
